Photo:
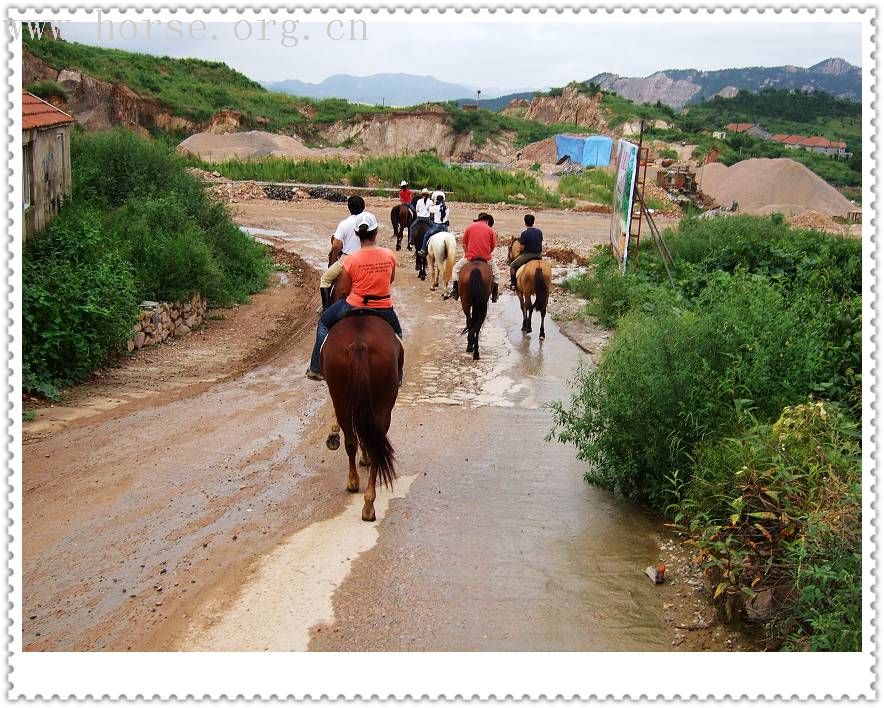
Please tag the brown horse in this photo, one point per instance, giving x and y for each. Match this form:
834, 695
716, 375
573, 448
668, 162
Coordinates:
416, 235
533, 280
400, 217
362, 361
474, 287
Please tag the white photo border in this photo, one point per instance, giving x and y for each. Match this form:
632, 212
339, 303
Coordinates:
448, 675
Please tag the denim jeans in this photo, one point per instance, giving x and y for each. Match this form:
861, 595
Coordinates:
335, 313
434, 229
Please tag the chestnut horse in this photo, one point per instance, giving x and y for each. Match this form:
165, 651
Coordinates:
362, 361
400, 217
474, 288
534, 279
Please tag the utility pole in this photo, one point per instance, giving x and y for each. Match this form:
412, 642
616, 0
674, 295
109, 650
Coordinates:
478, 93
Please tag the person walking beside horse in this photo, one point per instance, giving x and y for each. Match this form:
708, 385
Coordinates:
479, 242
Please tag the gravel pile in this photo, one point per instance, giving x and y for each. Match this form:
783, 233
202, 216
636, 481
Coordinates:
764, 186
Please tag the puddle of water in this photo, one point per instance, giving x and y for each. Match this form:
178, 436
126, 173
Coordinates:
291, 590
255, 231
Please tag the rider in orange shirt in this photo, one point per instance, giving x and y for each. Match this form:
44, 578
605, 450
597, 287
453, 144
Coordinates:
372, 270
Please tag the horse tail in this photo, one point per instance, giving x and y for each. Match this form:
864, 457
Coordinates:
541, 291
478, 301
394, 217
369, 435
449, 259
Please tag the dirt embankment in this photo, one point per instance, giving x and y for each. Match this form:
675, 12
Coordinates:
98, 104
570, 107
214, 147
413, 131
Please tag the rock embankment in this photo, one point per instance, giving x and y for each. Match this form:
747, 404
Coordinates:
160, 321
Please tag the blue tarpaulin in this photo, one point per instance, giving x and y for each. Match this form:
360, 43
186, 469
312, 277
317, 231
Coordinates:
594, 151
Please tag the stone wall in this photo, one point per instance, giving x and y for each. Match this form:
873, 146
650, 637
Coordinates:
160, 321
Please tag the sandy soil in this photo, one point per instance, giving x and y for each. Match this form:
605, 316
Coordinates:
186, 499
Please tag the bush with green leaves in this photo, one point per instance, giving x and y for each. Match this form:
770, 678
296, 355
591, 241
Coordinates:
730, 401
139, 227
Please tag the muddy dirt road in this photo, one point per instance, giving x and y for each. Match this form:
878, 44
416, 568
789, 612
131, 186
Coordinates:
214, 517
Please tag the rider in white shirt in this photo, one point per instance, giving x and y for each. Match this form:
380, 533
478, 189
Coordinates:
422, 208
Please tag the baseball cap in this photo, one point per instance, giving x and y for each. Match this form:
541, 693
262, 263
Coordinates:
366, 218
403, 183
483, 216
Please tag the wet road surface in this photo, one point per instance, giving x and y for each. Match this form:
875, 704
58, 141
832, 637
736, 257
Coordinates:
220, 521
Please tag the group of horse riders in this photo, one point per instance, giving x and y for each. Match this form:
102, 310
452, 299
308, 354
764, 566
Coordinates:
370, 269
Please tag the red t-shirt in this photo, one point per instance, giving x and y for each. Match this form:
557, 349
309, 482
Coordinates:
479, 241
405, 195
371, 271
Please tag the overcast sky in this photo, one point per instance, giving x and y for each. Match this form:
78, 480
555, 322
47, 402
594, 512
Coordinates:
494, 55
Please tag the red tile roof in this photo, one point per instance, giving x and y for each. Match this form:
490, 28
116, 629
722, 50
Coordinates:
793, 139
37, 113
779, 137
738, 127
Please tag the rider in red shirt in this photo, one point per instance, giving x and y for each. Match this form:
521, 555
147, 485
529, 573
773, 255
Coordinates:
479, 242
404, 193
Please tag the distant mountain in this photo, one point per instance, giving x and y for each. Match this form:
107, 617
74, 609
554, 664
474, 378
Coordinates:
499, 103
389, 89
677, 87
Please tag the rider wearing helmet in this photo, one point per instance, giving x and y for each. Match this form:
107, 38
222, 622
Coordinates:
372, 270
479, 242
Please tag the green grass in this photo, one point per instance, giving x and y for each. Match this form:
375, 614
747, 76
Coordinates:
466, 184
46, 89
594, 185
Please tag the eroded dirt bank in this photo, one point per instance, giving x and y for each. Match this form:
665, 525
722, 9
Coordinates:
211, 516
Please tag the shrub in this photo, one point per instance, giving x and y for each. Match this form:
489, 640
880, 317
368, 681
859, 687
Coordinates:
776, 510
139, 227
79, 301
689, 370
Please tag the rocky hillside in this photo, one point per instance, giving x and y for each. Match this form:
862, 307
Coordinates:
677, 87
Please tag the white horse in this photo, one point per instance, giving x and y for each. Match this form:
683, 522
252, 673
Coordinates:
442, 248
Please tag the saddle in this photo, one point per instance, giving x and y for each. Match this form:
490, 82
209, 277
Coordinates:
534, 257
478, 260
363, 312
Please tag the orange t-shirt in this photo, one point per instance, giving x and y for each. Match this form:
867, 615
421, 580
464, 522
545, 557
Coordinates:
371, 271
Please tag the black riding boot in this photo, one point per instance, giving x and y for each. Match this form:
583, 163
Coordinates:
455, 292
512, 280
325, 294
493, 292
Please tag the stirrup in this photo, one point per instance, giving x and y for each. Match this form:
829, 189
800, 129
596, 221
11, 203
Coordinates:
315, 375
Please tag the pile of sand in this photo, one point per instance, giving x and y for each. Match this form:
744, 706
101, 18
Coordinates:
764, 186
543, 151
254, 145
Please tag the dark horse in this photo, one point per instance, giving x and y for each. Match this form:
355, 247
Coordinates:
400, 217
474, 285
417, 235
362, 360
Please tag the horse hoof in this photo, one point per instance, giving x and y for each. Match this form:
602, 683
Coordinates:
333, 441
446, 295
353, 490
368, 513
476, 355
542, 337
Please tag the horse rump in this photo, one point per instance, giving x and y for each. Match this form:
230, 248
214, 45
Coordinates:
478, 301
370, 436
